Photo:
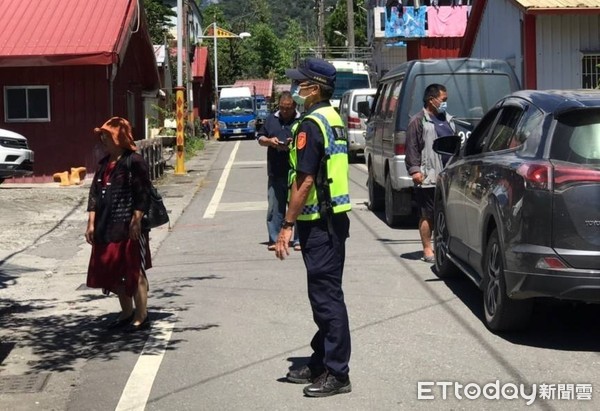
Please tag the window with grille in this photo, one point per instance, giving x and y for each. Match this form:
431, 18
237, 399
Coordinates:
590, 71
26, 103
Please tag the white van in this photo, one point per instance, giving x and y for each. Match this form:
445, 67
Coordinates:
350, 75
354, 121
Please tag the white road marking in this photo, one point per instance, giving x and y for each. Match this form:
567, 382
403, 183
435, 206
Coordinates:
244, 206
216, 198
250, 163
137, 390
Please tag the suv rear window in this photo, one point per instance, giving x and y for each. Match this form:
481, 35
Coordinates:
360, 98
577, 137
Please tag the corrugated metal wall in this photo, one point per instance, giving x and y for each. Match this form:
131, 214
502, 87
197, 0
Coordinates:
561, 41
499, 35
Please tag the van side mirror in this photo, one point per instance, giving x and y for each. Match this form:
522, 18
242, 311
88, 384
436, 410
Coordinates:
447, 145
364, 108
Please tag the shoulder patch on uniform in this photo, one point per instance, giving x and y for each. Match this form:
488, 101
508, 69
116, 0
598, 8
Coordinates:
340, 133
301, 140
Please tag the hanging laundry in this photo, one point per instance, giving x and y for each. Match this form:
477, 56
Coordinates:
411, 23
446, 21
393, 6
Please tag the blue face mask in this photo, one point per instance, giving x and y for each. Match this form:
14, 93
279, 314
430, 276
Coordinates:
298, 99
442, 108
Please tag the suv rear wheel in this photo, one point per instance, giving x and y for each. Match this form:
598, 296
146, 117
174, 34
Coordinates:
501, 312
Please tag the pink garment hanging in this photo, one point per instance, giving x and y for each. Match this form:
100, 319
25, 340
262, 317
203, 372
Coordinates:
446, 21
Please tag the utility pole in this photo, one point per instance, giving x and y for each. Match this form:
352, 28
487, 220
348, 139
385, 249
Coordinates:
179, 94
350, 33
320, 6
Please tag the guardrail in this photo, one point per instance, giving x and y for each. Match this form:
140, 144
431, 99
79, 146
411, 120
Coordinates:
152, 151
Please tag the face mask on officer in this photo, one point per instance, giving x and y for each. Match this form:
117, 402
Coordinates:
298, 99
301, 100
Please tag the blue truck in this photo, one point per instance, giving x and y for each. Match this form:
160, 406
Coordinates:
236, 112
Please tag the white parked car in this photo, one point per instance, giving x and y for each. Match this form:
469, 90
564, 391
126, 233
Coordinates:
355, 121
16, 159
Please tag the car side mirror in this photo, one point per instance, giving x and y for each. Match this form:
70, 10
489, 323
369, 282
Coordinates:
447, 145
364, 108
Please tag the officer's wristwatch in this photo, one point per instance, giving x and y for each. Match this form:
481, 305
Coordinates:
287, 224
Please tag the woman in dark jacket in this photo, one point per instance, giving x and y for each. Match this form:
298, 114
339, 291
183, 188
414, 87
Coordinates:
119, 196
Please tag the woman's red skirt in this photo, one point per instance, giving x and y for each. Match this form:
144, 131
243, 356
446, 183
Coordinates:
116, 267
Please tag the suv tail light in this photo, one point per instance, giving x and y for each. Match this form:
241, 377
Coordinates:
353, 122
544, 176
565, 175
399, 149
537, 176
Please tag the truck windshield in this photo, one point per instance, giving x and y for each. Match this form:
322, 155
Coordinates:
236, 105
346, 80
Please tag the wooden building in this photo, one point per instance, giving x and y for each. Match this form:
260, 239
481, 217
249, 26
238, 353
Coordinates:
66, 66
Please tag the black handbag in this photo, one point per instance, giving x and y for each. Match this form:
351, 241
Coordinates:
157, 214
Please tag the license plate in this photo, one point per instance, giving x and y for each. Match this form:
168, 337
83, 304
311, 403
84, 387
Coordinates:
237, 131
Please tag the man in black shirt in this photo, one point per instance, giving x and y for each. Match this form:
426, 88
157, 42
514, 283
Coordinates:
276, 134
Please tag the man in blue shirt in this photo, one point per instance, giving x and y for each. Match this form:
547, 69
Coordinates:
276, 134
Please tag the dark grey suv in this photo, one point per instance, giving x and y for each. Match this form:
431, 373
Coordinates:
517, 208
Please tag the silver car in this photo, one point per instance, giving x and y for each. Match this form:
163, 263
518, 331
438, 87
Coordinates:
355, 122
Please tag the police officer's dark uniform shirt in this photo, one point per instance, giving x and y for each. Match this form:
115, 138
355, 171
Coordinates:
278, 163
309, 157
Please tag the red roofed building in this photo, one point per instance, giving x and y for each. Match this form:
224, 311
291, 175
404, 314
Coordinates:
66, 66
202, 85
261, 86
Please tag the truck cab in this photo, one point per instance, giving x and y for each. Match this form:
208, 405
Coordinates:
236, 112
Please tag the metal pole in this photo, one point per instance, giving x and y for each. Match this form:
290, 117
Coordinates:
179, 43
350, 11
216, 133
179, 118
216, 67
320, 28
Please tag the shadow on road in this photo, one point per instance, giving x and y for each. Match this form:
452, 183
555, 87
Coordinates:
555, 324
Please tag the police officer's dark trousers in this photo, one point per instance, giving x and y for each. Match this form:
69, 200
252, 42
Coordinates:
324, 254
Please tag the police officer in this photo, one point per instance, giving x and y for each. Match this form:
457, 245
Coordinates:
318, 203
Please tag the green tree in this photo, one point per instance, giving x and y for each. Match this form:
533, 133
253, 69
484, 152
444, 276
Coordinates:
289, 47
157, 15
263, 11
262, 52
338, 20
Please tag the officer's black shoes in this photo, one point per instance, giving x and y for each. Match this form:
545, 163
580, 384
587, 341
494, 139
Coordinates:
327, 385
304, 374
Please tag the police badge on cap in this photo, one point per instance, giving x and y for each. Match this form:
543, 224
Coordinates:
314, 70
